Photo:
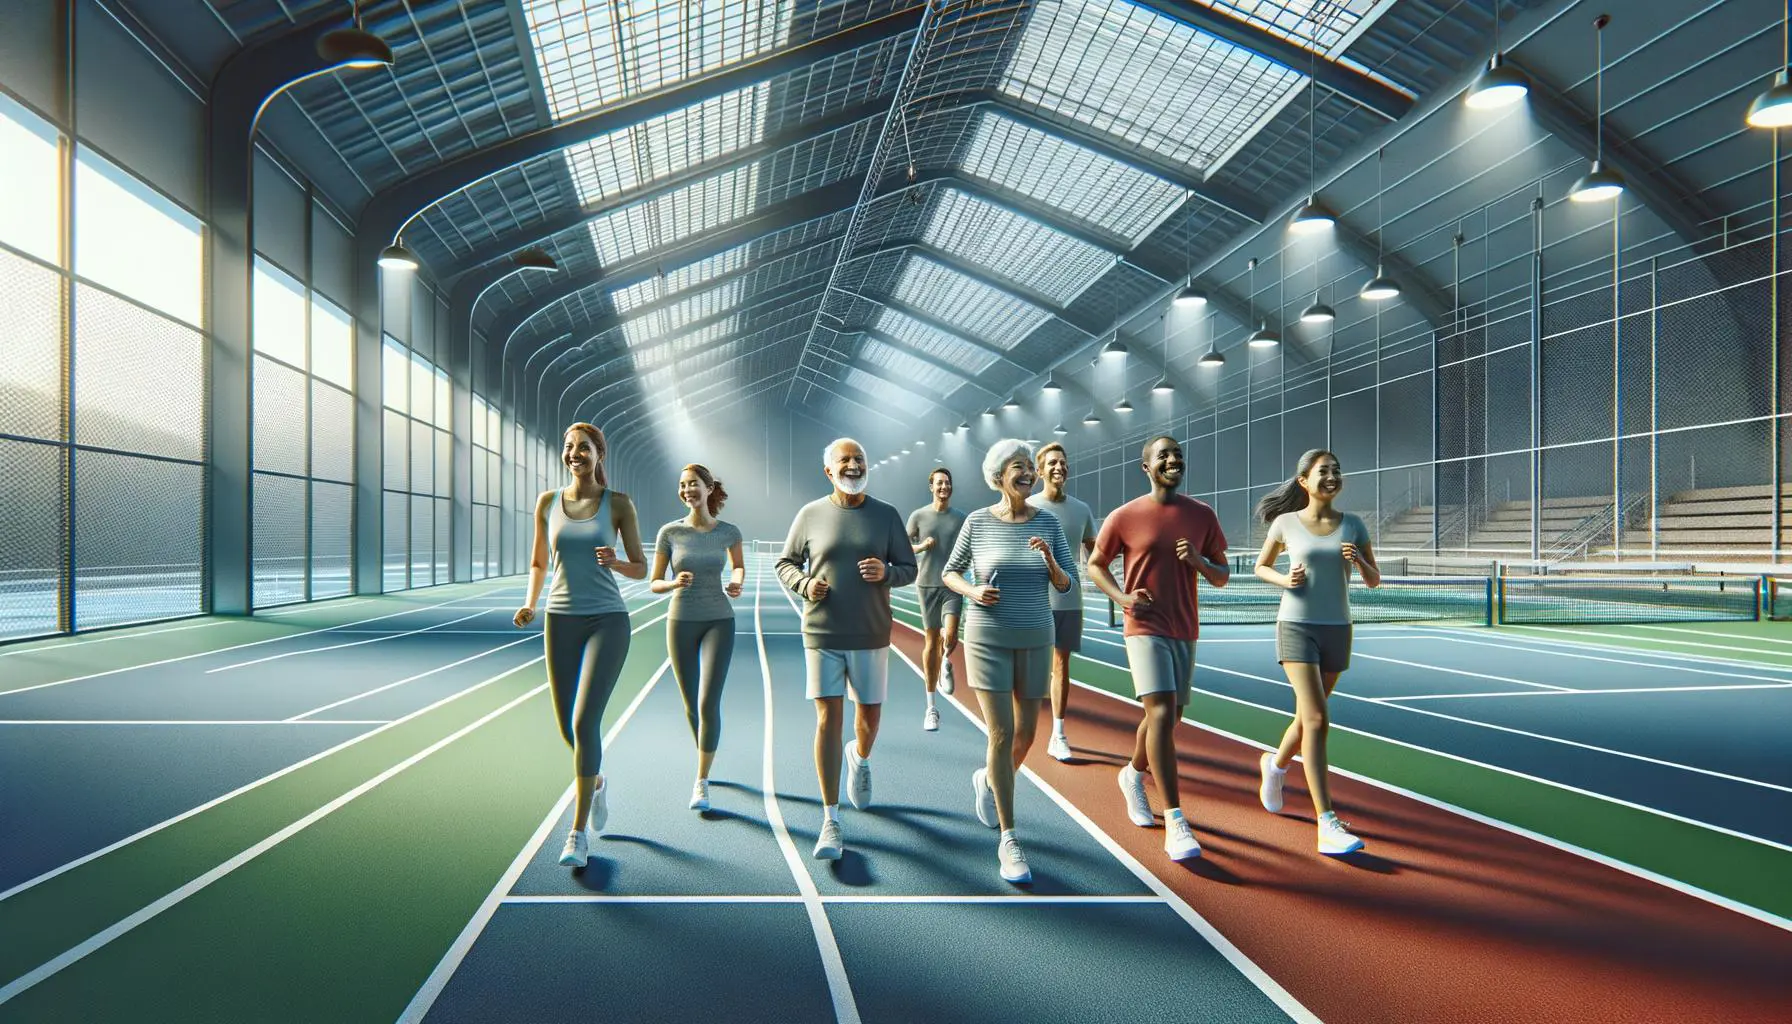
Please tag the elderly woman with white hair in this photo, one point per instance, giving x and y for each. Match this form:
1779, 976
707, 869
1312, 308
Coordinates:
1015, 551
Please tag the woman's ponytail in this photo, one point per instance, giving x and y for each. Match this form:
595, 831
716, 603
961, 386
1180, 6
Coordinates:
1290, 496
717, 495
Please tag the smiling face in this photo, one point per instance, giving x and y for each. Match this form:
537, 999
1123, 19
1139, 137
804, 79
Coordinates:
1055, 468
941, 486
579, 454
1018, 476
846, 467
692, 491
1323, 479
1163, 463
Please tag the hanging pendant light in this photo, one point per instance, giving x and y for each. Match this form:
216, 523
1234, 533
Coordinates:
1052, 386
1163, 387
1010, 405
1773, 108
1600, 183
1498, 85
1381, 287
1091, 419
989, 414
397, 257
1059, 430
1123, 406
1115, 349
1311, 218
1318, 312
1191, 297
1262, 337
1213, 359
354, 47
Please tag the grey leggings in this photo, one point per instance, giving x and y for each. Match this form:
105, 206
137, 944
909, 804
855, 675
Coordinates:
700, 654
585, 656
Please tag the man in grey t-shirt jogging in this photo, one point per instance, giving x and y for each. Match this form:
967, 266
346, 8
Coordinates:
844, 553
933, 529
1053, 466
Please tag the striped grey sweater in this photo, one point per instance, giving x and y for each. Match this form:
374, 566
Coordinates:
988, 547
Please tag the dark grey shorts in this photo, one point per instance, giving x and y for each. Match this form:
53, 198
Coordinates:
1067, 631
1307, 643
936, 604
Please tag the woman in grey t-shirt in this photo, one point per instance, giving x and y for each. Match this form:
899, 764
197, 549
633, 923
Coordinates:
1313, 623
700, 623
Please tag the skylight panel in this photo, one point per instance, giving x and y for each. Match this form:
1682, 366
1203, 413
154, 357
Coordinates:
970, 306
1012, 246
688, 276
903, 366
640, 154
1293, 19
931, 340
1090, 187
591, 55
884, 391
701, 206
1145, 78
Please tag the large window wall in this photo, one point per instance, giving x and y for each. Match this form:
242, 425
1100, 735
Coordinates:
102, 403
488, 476
418, 458
303, 441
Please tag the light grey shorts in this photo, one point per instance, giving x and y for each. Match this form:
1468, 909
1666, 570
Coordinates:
866, 673
937, 603
1024, 671
1310, 643
1067, 631
1161, 665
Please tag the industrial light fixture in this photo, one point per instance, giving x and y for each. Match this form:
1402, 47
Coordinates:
1213, 359
1010, 405
1163, 387
920, 444
946, 432
1381, 287
1262, 337
1600, 183
905, 451
533, 258
1052, 386
1114, 349
397, 257
1123, 406
1191, 297
1773, 108
988, 414
354, 47
1059, 430
1311, 218
1498, 85
1091, 419
966, 425
1318, 312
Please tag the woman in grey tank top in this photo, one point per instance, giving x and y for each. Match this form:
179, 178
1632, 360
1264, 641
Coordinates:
700, 624
1313, 623
586, 631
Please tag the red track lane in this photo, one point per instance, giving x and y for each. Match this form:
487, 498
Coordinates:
1442, 918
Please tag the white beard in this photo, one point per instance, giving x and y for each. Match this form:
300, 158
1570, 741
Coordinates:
853, 487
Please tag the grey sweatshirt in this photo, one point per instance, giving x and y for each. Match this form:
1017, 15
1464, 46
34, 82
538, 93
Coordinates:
828, 542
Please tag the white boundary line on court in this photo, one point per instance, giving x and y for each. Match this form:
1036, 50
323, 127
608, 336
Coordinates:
1590, 693
1663, 666
311, 606
338, 647
1014, 900
1654, 628
167, 902
457, 951
1466, 673
1685, 888
1520, 635
1245, 966
846, 1006
234, 647
303, 715
190, 721
54, 648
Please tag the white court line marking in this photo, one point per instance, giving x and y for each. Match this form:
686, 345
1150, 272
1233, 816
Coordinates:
1014, 900
1664, 666
185, 721
258, 783
1464, 672
846, 1007
1591, 693
1738, 637
512, 631
221, 650
337, 647
54, 648
327, 604
95, 942
301, 716
1516, 635
1165, 895
433, 985
1726, 902
1620, 801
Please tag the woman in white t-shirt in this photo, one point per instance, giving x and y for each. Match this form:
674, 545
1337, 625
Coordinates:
1313, 623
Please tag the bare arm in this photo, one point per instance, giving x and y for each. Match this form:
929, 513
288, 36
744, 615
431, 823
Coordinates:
538, 559
1103, 577
1363, 557
1266, 564
737, 580
662, 560
629, 529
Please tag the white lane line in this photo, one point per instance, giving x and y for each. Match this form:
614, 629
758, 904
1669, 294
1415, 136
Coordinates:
257, 784
1590, 693
1630, 869
1515, 773
1517, 635
512, 631
221, 650
846, 1007
98, 941
1203, 927
57, 648
186, 721
337, 647
1735, 638
433, 985
1013, 900
327, 604
1426, 666
1665, 667
301, 716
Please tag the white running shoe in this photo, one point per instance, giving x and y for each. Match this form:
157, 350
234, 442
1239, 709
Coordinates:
1138, 805
930, 722
947, 684
1270, 792
858, 777
829, 845
1059, 747
600, 810
577, 849
1179, 839
700, 795
1014, 862
984, 797
1334, 836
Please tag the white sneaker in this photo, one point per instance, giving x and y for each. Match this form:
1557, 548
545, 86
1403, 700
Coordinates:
700, 795
1179, 839
1270, 792
1138, 805
1014, 862
829, 845
947, 684
930, 722
1334, 837
577, 849
858, 777
600, 811
984, 797
1059, 747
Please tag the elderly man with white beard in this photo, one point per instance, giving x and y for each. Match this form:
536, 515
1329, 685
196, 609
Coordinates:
844, 553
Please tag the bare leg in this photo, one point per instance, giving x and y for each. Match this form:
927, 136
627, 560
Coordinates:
951, 634
1291, 737
584, 786
932, 651
1154, 747
998, 714
829, 718
1312, 723
865, 722
1060, 682
1026, 721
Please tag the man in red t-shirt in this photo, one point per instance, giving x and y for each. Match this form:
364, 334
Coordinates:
1164, 540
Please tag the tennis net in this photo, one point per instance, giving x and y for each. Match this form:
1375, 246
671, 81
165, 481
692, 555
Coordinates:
1563, 600
1440, 600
